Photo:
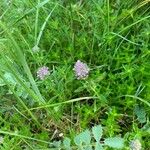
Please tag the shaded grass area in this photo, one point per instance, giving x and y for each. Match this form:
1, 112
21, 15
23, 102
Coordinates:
112, 37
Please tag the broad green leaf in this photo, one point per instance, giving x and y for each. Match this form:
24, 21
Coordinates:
66, 143
84, 137
97, 132
20, 91
89, 147
9, 78
57, 144
140, 113
115, 142
146, 128
98, 146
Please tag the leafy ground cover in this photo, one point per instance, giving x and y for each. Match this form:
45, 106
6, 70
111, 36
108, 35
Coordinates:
108, 100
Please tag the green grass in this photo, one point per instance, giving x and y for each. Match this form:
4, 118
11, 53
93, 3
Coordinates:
112, 37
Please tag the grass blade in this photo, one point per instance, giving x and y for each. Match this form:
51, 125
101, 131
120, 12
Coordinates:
66, 102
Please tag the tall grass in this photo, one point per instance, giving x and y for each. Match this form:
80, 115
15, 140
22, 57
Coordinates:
112, 37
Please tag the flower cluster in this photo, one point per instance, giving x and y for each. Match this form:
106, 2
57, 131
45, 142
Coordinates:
42, 72
81, 70
135, 145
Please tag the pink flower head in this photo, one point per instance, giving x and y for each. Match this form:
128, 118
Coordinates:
81, 70
42, 72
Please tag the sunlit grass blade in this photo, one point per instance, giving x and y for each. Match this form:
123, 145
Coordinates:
23, 137
43, 26
66, 102
131, 25
36, 22
124, 38
140, 99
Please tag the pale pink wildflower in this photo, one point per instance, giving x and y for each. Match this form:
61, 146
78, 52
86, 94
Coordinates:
43, 72
81, 70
